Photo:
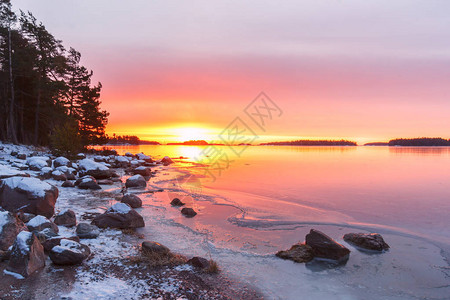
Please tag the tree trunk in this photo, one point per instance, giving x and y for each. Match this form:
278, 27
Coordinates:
12, 135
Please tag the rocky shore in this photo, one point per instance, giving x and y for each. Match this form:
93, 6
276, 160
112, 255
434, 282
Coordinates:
68, 231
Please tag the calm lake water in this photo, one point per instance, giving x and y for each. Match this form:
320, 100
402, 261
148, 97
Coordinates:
269, 198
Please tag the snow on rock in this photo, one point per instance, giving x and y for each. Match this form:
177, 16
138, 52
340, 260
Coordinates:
28, 194
120, 208
6, 172
46, 172
10, 226
21, 241
90, 165
27, 255
61, 161
136, 181
36, 163
39, 223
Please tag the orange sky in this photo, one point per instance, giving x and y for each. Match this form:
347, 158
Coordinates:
360, 70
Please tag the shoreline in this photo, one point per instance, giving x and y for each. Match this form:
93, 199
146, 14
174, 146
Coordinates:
109, 264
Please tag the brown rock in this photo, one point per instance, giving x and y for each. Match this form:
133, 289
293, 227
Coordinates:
27, 255
369, 241
300, 253
326, 247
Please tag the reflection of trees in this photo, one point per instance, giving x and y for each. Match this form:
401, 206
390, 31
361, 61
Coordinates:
420, 150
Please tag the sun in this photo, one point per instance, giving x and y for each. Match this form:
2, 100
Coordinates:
190, 133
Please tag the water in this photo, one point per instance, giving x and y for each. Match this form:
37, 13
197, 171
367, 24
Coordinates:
270, 197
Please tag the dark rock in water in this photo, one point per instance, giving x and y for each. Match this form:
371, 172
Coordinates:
132, 200
120, 215
176, 202
87, 183
39, 223
66, 218
29, 195
105, 182
326, 247
199, 262
69, 253
10, 226
56, 241
167, 160
136, 181
299, 253
154, 247
87, 231
68, 183
188, 212
146, 172
369, 241
27, 255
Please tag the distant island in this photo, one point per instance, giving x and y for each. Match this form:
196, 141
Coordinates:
420, 142
128, 140
194, 143
312, 143
377, 144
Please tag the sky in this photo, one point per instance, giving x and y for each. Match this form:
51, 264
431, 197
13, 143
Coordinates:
177, 70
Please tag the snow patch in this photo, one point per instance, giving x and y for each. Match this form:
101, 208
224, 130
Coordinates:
6, 171
120, 208
4, 216
67, 245
88, 165
37, 221
32, 185
21, 241
17, 276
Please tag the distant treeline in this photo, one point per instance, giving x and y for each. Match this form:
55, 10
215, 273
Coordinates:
128, 139
191, 143
420, 142
311, 143
46, 96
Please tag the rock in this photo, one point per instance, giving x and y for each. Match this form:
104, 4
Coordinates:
188, 212
199, 262
299, 253
132, 200
94, 169
136, 181
121, 162
129, 154
66, 218
145, 158
120, 215
68, 183
176, 202
369, 241
36, 163
56, 241
58, 175
27, 254
10, 226
39, 223
87, 231
61, 161
154, 247
13, 153
166, 161
105, 182
4, 255
46, 172
27, 194
45, 234
25, 217
81, 156
146, 172
87, 182
69, 253
21, 156
326, 247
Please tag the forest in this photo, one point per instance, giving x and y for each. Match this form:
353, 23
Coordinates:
420, 142
46, 96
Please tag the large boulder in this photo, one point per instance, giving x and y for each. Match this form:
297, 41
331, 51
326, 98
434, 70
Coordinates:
154, 247
61, 161
325, 247
36, 163
369, 241
121, 162
136, 181
66, 218
87, 231
87, 183
120, 215
27, 194
97, 170
27, 254
10, 226
132, 200
56, 241
69, 253
299, 253
40, 223
144, 171
188, 212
